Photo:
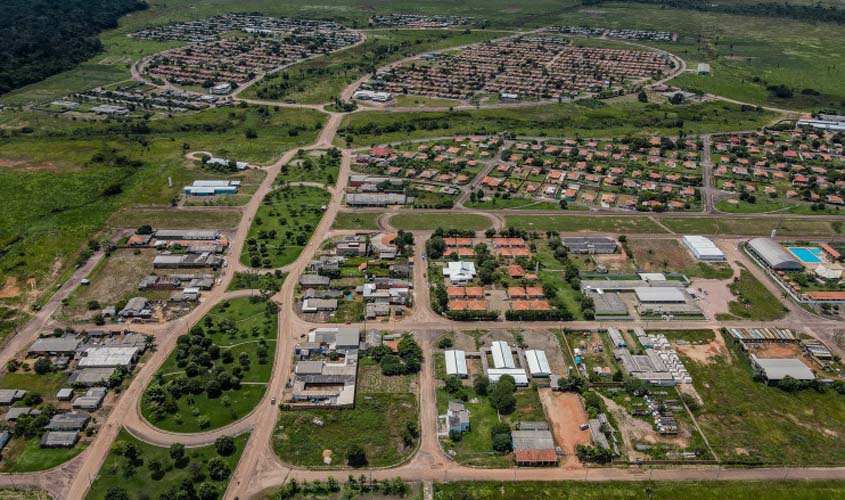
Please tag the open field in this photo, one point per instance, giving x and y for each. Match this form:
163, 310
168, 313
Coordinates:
353, 220
681, 225
62, 182
24, 494
283, 225
645, 490
322, 79
421, 222
672, 256
597, 119
119, 472
750, 422
237, 330
384, 407
171, 218
754, 300
28, 456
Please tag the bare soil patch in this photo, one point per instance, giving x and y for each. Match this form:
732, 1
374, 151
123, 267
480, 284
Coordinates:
10, 289
659, 255
566, 414
704, 354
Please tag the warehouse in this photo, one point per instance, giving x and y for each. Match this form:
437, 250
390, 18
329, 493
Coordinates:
538, 364
647, 295
772, 255
703, 248
627, 285
502, 355
187, 234
775, 369
608, 304
377, 199
456, 364
518, 374
91, 400
211, 188
616, 337
68, 422
66, 344
534, 445
90, 376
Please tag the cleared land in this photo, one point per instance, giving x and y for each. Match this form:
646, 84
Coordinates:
754, 300
353, 220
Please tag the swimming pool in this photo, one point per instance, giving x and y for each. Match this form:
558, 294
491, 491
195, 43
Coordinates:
807, 255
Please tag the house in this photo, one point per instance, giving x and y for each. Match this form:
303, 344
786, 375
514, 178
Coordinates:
589, 245
68, 422
314, 281
136, 307
59, 439
318, 305
457, 417
221, 89
66, 344
91, 400
9, 396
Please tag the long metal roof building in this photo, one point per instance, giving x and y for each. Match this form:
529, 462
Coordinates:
456, 363
773, 255
502, 356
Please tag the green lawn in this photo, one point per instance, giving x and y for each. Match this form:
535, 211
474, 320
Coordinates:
516, 204
640, 490
772, 206
749, 421
284, 225
598, 120
754, 300
136, 480
475, 447
321, 80
356, 220
321, 167
627, 224
271, 281
384, 406
26, 455
46, 385
423, 222
238, 326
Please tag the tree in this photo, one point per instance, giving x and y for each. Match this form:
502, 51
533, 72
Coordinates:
116, 493
225, 446
454, 386
502, 398
207, 491
642, 96
481, 385
218, 469
356, 457
156, 468
445, 343
177, 453
43, 365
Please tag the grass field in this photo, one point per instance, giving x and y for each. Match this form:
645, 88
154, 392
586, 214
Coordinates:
749, 421
596, 120
423, 222
26, 455
313, 166
245, 322
681, 225
663, 255
270, 281
171, 218
61, 183
515, 204
117, 472
754, 300
355, 220
772, 206
322, 79
640, 490
283, 225
384, 406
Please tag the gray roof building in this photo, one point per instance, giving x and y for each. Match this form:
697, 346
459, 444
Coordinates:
314, 281
68, 422
92, 399
59, 439
14, 413
55, 345
773, 255
9, 396
590, 245
608, 304
532, 440
90, 376
777, 369
187, 234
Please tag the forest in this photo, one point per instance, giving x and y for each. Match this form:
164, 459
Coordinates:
45, 37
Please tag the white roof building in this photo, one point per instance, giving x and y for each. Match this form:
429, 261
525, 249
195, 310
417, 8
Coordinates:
828, 273
538, 364
460, 271
661, 295
502, 356
518, 374
703, 248
107, 357
456, 363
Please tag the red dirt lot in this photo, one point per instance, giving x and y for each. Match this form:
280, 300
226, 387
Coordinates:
566, 414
